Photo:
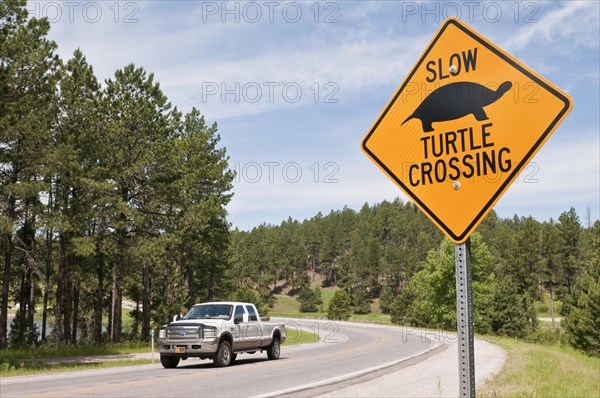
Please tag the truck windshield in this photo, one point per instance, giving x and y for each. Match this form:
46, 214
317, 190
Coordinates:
210, 311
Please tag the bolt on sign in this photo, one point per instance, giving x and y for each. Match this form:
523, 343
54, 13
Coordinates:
462, 126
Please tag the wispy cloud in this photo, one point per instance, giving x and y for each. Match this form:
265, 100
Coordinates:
574, 24
347, 67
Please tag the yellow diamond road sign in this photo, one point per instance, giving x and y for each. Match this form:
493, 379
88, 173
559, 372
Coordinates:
462, 125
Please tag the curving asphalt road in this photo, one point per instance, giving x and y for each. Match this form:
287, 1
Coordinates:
346, 351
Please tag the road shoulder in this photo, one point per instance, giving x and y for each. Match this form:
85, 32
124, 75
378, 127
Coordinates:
436, 376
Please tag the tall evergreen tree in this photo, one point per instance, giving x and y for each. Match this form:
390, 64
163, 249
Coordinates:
72, 169
137, 125
569, 235
552, 273
582, 324
28, 71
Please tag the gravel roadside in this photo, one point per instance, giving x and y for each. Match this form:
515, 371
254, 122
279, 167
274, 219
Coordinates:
436, 376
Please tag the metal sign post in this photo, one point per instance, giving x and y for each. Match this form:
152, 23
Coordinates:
152, 339
464, 319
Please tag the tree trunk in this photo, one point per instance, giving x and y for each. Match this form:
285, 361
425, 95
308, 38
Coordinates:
110, 316
75, 311
551, 289
210, 285
21, 326
99, 297
147, 284
68, 308
66, 284
8, 246
29, 263
136, 318
117, 299
191, 287
58, 324
31, 305
47, 276
117, 294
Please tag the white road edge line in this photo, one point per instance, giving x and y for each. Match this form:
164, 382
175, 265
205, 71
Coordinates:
347, 376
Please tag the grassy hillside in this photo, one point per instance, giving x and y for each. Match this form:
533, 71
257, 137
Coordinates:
287, 306
534, 370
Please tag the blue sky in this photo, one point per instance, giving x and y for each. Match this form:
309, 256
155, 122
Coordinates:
294, 86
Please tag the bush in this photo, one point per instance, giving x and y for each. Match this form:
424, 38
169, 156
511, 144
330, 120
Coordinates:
339, 306
386, 299
401, 308
546, 336
310, 300
513, 314
361, 304
541, 308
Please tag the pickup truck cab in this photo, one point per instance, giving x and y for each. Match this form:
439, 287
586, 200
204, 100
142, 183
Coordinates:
219, 331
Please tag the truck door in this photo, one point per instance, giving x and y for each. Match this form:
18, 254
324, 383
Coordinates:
254, 330
238, 329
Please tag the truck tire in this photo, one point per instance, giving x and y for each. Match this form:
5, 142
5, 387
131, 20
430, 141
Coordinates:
169, 362
224, 355
274, 349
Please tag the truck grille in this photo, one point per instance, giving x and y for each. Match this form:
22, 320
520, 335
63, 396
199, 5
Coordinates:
183, 334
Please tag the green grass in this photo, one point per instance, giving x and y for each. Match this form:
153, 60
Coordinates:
21, 368
534, 370
297, 336
371, 318
284, 304
327, 294
300, 315
48, 351
287, 306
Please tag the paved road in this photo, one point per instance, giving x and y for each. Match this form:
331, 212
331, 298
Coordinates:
345, 351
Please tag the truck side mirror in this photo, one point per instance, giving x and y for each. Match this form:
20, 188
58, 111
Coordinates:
176, 317
238, 320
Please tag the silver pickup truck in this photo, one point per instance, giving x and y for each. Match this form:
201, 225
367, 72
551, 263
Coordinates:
219, 331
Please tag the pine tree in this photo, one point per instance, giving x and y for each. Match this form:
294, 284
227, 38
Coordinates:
582, 324
339, 306
28, 73
72, 166
310, 300
569, 235
138, 124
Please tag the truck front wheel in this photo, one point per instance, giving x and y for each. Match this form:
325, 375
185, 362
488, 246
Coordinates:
168, 361
224, 356
274, 349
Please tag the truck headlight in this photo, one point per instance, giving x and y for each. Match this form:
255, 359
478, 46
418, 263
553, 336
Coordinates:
209, 333
162, 334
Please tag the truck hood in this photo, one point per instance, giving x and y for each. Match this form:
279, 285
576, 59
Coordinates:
195, 322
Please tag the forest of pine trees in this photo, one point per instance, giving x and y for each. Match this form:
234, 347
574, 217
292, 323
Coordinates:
392, 253
107, 192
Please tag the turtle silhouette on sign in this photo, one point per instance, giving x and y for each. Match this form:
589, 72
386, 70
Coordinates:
456, 100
